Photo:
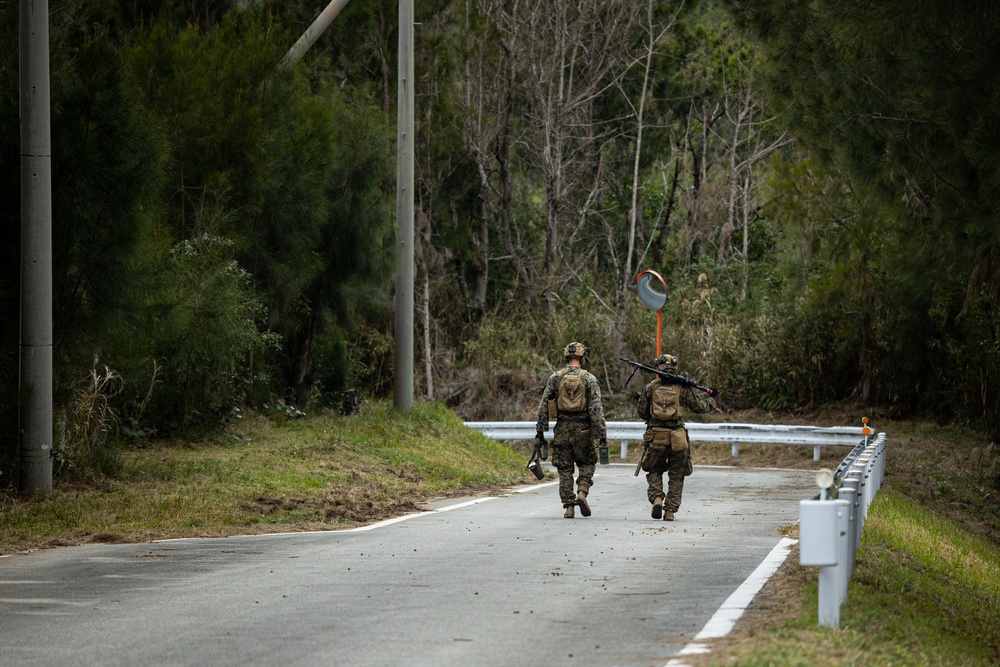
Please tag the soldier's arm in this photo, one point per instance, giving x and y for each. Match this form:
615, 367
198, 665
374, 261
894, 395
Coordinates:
548, 394
595, 407
642, 407
697, 401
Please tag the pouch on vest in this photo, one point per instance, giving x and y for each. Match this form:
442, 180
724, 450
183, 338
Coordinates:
553, 411
666, 402
572, 394
657, 437
679, 440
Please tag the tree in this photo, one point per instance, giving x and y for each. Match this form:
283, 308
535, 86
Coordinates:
109, 163
902, 98
574, 52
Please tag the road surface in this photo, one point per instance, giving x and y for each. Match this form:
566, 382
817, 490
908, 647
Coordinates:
486, 582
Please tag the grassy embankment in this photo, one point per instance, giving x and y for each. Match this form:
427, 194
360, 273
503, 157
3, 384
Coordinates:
320, 473
926, 587
926, 590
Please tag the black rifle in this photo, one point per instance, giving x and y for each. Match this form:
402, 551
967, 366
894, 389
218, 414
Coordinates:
638, 466
667, 377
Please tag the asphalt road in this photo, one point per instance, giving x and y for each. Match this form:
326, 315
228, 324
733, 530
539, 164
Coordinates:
477, 582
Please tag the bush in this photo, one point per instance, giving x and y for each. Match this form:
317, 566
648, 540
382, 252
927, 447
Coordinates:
87, 427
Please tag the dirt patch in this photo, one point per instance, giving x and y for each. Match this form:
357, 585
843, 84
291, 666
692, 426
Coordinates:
83, 537
353, 505
349, 506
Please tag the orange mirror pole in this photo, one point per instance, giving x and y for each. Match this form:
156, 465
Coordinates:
659, 332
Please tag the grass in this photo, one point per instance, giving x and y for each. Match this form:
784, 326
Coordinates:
926, 585
320, 473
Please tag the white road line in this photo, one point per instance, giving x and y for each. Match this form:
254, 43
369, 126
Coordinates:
726, 616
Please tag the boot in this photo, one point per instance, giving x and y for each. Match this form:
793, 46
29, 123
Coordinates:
581, 500
568, 514
668, 516
658, 508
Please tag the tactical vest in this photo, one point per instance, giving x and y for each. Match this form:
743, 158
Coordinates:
665, 404
572, 395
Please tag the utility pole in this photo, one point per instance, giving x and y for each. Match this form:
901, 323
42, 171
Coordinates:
312, 33
403, 354
35, 417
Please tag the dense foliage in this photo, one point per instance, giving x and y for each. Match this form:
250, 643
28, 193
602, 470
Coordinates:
815, 182
899, 100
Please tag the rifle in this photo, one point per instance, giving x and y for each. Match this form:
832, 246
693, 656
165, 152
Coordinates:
667, 377
638, 466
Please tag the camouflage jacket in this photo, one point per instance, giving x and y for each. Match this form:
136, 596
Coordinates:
693, 399
595, 409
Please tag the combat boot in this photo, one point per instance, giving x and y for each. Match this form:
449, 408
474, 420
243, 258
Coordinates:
581, 500
570, 511
668, 516
658, 508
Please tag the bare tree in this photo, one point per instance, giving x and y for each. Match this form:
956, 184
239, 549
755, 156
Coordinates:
489, 69
574, 52
747, 145
654, 34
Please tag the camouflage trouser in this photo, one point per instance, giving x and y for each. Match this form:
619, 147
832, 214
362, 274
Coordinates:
571, 445
676, 465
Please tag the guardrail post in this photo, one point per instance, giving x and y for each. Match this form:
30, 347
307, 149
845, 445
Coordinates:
849, 492
822, 533
860, 470
624, 452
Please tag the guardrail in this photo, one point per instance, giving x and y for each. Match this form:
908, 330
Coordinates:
830, 526
736, 434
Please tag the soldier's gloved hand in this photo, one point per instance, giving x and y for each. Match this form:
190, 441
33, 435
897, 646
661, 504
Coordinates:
541, 446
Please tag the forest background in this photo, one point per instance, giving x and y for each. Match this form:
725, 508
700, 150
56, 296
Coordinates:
817, 184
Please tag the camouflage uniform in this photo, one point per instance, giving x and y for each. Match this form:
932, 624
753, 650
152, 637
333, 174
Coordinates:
670, 452
574, 437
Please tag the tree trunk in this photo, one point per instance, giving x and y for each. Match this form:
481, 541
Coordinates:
425, 306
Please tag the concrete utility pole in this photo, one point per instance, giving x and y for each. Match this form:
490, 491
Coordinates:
310, 36
35, 427
403, 355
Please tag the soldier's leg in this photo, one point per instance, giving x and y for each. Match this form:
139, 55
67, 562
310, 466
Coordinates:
586, 460
566, 494
585, 477
562, 460
676, 466
655, 465
584, 457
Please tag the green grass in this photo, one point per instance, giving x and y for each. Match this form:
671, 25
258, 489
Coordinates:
319, 473
942, 581
926, 584
925, 591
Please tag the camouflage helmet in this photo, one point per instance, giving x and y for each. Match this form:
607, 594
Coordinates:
578, 350
666, 362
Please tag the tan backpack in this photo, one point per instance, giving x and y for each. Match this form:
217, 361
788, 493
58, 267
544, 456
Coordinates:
666, 402
572, 393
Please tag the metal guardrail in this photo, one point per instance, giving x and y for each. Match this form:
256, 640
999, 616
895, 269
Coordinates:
830, 527
736, 434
